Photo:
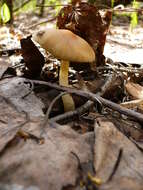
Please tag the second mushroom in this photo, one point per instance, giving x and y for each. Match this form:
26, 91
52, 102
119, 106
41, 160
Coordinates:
66, 46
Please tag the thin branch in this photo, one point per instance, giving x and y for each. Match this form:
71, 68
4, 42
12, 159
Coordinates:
57, 5
136, 144
116, 165
93, 97
8, 52
39, 23
109, 82
51, 106
122, 69
63, 118
106, 8
46, 119
24, 3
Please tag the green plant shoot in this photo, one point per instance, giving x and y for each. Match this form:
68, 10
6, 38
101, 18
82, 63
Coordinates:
5, 13
134, 16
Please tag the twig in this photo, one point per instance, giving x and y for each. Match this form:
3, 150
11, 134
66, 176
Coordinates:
122, 69
119, 8
57, 5
39, 23
136, 144
130, 10
29, 92
133, 114
8, 52
78, 160
42, 8
63, 118
24, 3
107, 85
50, 108
46, 119
116, 165
66, 116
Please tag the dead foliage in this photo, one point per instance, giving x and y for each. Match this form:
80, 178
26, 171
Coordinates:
34, 60
86, 21
97, 146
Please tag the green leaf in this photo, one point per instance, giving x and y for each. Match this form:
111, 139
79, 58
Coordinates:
5, 13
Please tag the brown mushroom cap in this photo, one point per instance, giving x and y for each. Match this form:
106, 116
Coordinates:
65, 45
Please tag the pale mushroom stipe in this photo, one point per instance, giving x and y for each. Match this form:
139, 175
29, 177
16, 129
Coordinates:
66, 46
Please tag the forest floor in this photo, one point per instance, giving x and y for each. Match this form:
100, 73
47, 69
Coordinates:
99, 145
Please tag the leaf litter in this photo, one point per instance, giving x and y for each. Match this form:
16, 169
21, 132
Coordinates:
100, 145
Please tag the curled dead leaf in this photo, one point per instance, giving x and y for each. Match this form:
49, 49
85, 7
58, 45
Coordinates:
86, 21
135, 90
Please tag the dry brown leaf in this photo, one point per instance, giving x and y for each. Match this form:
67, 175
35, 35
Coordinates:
47, 166
129, 128
108, 143
3, 67
134, 104
33, 58
135, 90
85, 20
10, 119
20, 95
123, 183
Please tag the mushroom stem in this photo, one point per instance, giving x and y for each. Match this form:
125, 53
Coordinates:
63, 81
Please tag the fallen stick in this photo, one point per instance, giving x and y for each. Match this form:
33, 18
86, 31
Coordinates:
8, 52
93, 97
67, 116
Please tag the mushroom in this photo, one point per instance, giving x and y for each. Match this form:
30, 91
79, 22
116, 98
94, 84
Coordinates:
66, 46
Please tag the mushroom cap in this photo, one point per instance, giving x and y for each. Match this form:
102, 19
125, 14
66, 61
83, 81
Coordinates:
65, 45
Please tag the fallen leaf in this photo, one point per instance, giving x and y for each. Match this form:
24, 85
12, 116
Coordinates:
123, 183
10, 121
47, 166
108, 143
85, 20
33, 58
3, 67
135, 90
21, 96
